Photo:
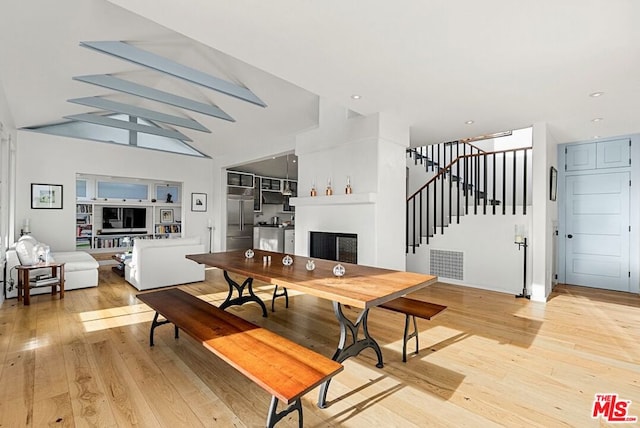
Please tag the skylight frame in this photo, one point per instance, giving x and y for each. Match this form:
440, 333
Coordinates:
130, 126
111, 82
150, 60
128, 109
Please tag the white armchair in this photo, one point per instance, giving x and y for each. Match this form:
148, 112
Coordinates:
161, 262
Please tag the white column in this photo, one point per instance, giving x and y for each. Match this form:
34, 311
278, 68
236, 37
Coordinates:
544, 214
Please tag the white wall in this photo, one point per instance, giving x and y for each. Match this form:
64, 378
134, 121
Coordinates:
7, 166
491, 259
371, 152
50, 159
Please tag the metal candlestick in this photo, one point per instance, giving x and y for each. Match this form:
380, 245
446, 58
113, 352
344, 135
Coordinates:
525, 293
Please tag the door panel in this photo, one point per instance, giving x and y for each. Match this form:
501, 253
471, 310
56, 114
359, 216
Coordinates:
581, 156
597, 240
589, 267
613, 154
233, 212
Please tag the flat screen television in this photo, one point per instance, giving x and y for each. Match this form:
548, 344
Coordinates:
123, 218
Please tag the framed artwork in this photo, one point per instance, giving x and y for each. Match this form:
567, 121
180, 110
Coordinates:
553, 184
46, 196
199, 202
166, 216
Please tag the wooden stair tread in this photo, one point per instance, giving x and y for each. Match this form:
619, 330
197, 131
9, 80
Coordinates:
283, 368
414, 307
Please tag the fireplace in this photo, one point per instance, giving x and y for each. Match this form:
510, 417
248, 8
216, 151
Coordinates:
341, 247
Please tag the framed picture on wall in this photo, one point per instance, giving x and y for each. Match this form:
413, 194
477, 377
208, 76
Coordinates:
199, 202
166, 216
46, 196
553, 184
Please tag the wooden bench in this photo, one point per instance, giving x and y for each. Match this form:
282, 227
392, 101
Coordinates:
412, 308
281, 367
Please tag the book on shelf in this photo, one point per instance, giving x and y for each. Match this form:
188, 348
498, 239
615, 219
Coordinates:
168, 228
83, 243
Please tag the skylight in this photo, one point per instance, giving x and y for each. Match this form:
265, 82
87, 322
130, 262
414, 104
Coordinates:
109, 134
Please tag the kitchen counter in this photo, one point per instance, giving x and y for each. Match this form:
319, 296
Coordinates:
273, 237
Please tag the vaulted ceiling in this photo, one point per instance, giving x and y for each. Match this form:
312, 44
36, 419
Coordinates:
434, 64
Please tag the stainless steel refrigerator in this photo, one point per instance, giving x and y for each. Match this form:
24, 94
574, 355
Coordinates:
239, 218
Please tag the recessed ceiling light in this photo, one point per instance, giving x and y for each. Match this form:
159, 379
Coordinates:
595, 137
469, 122
355, 97
596, 94
597, 119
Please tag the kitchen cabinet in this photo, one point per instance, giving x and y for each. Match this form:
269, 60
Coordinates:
267, 188
257, 194
289, 241
286, 206
270, 183
274, 238
268, 238
239, 179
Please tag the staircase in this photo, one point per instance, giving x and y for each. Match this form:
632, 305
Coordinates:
462, 179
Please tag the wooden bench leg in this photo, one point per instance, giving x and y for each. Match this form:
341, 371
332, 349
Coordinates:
157, 323
275, 416
408, 336
276, 294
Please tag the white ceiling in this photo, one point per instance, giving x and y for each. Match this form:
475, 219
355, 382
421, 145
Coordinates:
276, 166
434, 64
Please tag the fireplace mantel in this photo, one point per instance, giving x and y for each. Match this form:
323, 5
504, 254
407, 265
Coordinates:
352, 199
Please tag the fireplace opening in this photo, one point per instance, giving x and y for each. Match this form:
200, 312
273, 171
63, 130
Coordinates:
341, 247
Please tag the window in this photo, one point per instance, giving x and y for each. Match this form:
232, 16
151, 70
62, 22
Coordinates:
168, 193
118, 190
81, 189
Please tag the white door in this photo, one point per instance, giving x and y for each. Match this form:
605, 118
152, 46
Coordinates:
597, 237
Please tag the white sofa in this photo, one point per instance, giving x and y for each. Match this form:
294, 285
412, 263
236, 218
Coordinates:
158, 263
80, 269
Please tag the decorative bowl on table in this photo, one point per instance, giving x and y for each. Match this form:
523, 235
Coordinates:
311, 265
339, 270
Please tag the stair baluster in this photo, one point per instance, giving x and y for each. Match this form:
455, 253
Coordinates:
472, 177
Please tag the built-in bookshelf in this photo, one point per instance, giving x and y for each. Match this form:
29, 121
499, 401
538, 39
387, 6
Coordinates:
91, 235
84, 226
103, 221
163, 229
101, 242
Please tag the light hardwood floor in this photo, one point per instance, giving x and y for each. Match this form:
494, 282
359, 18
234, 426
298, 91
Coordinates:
488, 360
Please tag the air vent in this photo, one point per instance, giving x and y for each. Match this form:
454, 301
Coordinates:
447, 264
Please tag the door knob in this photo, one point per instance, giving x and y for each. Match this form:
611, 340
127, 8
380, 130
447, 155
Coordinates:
569, 236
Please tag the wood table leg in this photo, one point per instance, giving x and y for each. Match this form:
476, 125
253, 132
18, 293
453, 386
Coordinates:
54, 272
20, 273
62, 282
25, 287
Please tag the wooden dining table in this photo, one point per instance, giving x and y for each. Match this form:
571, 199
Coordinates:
362, 287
